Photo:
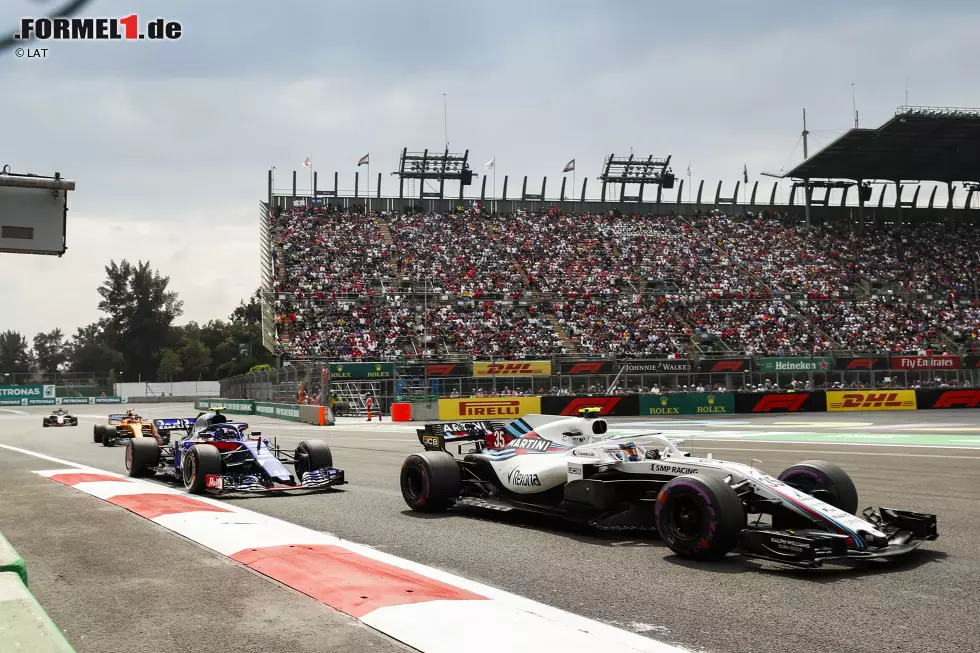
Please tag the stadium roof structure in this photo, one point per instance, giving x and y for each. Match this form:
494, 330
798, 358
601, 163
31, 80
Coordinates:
917, 144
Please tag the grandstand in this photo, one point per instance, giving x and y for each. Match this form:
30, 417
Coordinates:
397, 278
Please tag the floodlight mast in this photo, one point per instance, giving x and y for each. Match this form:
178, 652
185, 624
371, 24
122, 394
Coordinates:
633, 170
434, 165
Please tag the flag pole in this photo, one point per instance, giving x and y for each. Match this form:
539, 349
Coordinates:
311, 177
494, 182
368, 206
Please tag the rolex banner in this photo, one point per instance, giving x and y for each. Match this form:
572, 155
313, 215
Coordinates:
688, 404
340, 371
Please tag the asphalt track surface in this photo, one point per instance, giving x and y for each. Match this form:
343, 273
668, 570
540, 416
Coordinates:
122, 570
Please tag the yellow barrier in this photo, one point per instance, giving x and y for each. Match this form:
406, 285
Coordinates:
503, 408
854, 400
513, 368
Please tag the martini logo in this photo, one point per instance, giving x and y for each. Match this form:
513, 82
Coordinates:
530, 444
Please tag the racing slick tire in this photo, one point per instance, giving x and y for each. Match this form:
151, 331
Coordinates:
699, 517
310, 455
109, 435
198, 463
142, 454
430, 481
825, 481
98, 430
45, 423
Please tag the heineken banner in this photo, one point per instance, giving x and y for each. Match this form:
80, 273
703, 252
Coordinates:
361, 371
688, 404
587, 367
665, 366
726, 365
279, 411
26, 392
859, 364
796, 364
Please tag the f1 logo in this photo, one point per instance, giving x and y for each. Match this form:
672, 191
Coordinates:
605, 404
789, 403
728, 366
958, 398
437, 369
587, 368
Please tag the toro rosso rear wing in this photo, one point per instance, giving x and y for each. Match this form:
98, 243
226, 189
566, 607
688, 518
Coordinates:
163, 427
435, 437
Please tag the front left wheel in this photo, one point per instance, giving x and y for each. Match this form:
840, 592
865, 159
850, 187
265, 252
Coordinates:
311, 455
699, 517
98, 431
109, 435
430, 481
825, 481
200, 461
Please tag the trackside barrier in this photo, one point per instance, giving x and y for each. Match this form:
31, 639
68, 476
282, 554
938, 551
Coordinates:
401, 412
231, 406
624, 406
54, 401
942, 398
10, 560
781, 402
865, 400
24, 625
702, 403
289, 412
315, 415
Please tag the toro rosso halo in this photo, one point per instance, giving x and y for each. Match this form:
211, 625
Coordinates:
210, 454
569, 467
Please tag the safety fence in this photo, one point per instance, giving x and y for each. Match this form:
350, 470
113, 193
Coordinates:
309, 414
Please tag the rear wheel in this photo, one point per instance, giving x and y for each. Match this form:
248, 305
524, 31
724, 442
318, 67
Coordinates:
430, 481
825, 481
109, 435
142, 454
200, 461
98, 431
699, 517
311, 455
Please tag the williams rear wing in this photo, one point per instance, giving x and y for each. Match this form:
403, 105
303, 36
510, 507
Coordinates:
435, 437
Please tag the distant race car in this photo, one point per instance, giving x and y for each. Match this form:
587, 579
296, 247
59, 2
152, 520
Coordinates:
568, 467
122, 426
60, 418
211, 454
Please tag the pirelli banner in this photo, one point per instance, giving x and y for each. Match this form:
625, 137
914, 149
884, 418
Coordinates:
938, 398
864, 400
688, 404
512, 368
499, 408
625, 406
583, 368
780, 402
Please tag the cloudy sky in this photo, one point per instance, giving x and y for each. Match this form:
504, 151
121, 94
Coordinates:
170, 142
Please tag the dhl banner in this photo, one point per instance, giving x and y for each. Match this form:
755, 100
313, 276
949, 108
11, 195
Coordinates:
512, 368
870, 400
496, 408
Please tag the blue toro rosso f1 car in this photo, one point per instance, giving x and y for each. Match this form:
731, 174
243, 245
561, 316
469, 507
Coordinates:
208, 453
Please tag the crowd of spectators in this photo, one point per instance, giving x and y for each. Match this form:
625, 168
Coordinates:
529, 284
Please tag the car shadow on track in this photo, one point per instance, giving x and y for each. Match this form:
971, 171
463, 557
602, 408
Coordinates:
730, 564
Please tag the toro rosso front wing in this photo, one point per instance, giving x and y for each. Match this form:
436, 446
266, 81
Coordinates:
312, 480
905, 531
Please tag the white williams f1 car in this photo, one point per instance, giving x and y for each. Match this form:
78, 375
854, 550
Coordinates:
567, 466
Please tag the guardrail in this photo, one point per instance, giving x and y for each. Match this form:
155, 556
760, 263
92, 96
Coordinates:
24, 625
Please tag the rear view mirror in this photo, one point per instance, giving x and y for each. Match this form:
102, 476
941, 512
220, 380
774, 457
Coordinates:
256, 433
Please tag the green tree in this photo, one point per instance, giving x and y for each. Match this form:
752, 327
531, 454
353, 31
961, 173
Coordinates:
51, 351
89, 350
15, 354
169, 365
196, 360
141, 311
263, 367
